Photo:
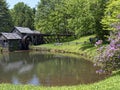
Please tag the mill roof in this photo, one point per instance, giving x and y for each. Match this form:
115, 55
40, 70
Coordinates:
11, 35
27, 30
24, 30
36, 32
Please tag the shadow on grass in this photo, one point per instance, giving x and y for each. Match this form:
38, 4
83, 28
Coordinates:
86, 46
116, 73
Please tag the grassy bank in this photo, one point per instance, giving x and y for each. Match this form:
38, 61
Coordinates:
82, 47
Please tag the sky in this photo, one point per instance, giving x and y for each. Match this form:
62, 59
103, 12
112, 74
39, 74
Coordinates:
31, 3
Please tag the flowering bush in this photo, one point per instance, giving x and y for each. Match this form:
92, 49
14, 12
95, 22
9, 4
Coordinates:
109, 56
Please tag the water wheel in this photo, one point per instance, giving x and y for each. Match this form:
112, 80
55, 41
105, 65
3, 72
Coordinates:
25, 42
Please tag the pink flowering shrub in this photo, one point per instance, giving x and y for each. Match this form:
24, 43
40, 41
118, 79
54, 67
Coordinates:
109, 56
99, 42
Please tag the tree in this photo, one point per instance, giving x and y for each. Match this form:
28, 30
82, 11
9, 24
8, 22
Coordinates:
64, 16
5, 18
80, 17
23, 15
81, 21
98, 9
111, 12
108, 56
46, 16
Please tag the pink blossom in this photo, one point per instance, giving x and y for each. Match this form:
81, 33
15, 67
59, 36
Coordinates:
112, 48
118, 16
99, 42
118, 27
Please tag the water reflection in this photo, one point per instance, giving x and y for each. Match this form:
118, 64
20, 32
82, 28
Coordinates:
34, 80
15, 80
46, 69
25, 68
12, 66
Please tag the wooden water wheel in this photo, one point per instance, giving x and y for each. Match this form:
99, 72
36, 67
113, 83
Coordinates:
25, 42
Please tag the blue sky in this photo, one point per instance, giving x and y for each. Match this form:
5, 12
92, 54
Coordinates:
31, 3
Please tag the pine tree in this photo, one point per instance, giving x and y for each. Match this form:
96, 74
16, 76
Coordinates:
5, 17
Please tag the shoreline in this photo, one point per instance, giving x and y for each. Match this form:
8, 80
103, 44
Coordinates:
52, 50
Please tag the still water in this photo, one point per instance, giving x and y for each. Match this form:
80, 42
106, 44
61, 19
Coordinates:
38, 68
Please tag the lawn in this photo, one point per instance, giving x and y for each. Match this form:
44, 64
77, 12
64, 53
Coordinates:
80, 46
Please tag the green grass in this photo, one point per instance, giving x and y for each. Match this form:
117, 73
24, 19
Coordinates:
110, 83
77, 46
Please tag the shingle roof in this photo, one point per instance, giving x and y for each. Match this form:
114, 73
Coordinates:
27, 30
11, 35
36, 32
24, 30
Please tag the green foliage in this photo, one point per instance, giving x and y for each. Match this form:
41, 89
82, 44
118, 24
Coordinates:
23, 15
48, 17
111, 12
5, 18
64, 17
80, 17
81, 21
109, 57
98, 9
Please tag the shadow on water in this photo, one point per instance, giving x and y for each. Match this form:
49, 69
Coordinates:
46, 69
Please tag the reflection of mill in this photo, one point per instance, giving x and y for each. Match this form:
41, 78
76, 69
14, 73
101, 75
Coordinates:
19, 68
34, 80
30, 68
16, 67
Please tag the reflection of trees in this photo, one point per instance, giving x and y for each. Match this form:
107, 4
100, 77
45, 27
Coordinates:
34, 80
12, 66
22, 71
46, 69
66, 71
25, 68
20, 65
16, 64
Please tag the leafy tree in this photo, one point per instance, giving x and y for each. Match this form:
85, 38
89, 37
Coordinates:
80, 17
111, 12
108, 56
5, 18
46, 16
81, 21
98, 9
23, 15
64, 16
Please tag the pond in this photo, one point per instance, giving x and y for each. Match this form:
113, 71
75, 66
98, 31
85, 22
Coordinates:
40, 68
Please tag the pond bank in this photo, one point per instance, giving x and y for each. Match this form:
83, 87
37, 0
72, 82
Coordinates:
84, 55
78, 47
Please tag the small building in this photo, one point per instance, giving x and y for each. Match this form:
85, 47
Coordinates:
20, 38
22, 31
35, 36
10, 41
